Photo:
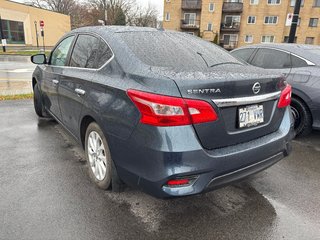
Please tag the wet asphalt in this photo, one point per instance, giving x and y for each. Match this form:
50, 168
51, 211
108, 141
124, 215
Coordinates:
15, 74
45, 193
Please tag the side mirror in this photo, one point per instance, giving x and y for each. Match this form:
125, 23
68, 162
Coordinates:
39, 59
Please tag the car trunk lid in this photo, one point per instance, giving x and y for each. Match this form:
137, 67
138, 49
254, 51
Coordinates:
233, 93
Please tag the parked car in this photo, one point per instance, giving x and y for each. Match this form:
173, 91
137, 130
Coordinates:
163, 111
301, 66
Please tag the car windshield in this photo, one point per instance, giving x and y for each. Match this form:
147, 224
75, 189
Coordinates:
175, 50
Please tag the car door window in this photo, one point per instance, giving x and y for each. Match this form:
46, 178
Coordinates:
298, 62
271, 59
104, 55
60, 53
85, 52
243, 54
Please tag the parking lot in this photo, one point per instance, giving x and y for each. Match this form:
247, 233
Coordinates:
46, 194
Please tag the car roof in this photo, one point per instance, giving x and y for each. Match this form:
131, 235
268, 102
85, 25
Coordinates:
113, 29
304, 50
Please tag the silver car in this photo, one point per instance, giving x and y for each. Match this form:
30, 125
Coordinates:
301, 65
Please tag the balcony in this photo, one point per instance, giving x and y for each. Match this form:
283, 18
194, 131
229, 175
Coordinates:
230, 27
191, 4
232, 7
190, 24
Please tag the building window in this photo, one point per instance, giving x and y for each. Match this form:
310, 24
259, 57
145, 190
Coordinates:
13, 31
254, 2
167, 17
274, 2
293, 3
316, 3
211, 7
309, 40
271, 20
313, 22
230, 40
190, 19
267, 39
251, 19
209, 26
231, 21
248, 39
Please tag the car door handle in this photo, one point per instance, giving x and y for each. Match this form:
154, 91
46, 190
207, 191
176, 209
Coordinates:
80, 92
55, 81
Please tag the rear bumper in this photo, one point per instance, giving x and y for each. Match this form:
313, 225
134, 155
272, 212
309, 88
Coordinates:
149, 159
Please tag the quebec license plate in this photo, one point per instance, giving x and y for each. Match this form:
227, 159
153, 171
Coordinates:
250, 116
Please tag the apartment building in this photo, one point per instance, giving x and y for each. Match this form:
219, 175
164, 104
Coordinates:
234, 23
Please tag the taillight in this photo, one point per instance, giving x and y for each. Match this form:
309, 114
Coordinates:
285, 97
160, 110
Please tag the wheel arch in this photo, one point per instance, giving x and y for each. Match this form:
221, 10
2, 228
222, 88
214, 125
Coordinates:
34, 82
85, 122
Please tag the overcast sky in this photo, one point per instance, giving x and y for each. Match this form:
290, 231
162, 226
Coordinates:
158, 4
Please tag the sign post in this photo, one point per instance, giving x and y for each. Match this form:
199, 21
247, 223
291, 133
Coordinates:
41, 22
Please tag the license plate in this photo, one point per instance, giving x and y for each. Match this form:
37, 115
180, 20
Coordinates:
250, 116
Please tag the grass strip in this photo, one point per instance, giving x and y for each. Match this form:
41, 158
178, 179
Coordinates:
22, 53
16, 97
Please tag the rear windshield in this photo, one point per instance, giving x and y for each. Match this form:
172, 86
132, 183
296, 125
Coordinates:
175, 50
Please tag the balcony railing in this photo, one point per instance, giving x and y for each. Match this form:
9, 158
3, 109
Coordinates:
191, 4
190, 24
230, 27
228, 45
232, 7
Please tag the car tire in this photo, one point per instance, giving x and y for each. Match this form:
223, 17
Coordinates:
99, 162
37, 102
302, 117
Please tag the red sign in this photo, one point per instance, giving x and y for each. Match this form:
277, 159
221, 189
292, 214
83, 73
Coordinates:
41, 23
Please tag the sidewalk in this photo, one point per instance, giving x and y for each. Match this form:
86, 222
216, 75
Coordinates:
15, 75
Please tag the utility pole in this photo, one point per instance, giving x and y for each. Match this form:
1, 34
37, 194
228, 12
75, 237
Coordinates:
3, 40
295, 20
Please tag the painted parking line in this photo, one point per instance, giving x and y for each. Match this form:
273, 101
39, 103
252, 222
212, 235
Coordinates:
17, 70
15, 80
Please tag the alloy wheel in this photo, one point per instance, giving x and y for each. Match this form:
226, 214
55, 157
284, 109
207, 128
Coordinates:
97, 156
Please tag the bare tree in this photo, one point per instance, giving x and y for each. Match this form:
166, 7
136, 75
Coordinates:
146, 17
61, 6
112, 10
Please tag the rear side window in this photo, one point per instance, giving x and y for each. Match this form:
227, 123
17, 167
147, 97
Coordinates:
60, 53
298, 62
104, 55
85, 52
243, 54
271, 59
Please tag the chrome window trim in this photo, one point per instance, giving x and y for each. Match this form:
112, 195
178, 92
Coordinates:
231, 102
285, 51
90, 69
